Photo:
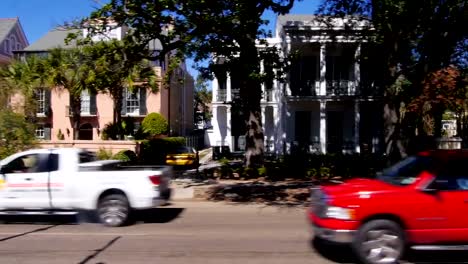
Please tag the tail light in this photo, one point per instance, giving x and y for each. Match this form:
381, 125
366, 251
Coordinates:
155, 179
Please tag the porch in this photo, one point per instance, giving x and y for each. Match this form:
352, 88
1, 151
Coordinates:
321, 126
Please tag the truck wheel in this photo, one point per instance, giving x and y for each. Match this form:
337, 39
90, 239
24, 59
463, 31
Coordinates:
113, 210
379, 242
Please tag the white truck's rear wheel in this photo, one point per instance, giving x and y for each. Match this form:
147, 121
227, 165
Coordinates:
113, 210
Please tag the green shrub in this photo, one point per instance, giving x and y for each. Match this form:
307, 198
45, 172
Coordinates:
154, 151
125, 155
154, 124
262, 171
104, 154
111, 131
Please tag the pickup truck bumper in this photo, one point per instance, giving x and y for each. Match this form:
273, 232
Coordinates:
334, 235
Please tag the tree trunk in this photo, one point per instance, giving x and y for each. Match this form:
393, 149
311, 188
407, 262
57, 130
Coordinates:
251, 92
75, 105
117, 115
394, 146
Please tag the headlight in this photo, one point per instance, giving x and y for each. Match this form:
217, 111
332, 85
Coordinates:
340, 213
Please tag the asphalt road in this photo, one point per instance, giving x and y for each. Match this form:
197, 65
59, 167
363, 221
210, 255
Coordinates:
189, 232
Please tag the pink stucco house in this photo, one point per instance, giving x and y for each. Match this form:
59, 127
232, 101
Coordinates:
55, 123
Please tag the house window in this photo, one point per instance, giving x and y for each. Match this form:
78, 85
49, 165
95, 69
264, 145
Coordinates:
41, 101
132, 102
7, 46
85, 102
136, 127
13, 43
40, 132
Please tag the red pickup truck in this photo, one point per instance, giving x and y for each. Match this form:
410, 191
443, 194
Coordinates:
421, 202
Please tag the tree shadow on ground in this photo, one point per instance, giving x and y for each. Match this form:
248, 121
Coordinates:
158, 215
279, 194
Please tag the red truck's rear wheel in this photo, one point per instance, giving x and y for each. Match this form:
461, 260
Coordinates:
379, 242
113, 210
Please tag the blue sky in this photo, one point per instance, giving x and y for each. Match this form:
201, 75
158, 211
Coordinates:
37, 17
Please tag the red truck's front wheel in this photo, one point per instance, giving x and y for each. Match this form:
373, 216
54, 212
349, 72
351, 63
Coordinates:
379, 242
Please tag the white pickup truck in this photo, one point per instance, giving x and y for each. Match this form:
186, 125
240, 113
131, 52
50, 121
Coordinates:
70, 180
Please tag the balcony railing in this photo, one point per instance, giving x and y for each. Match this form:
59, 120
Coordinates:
370, 88
268, 95
221, 96
235, 94
341, 87
305, 88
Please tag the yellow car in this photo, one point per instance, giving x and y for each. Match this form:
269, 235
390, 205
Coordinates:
183, 157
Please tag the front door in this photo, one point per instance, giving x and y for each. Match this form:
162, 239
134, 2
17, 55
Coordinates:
25, 182
335, 131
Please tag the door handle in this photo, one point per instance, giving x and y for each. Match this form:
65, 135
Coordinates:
28, 179
466, 200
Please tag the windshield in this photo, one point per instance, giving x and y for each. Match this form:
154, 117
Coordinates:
406, 171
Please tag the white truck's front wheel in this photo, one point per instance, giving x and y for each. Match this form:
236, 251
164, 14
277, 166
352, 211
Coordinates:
113, 210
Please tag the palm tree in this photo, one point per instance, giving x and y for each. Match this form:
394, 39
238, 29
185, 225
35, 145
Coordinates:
117, 70
70, 69
24, 76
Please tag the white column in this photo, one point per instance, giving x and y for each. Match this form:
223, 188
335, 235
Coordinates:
228, 127
262, 70
263, 116
357, 69
228, 88
323, 69
323, 126
214, 88
288, 50
276, 129
357, 120
215, 124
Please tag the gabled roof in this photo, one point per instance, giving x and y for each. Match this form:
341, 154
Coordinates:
53, 39
56, 38
6, 25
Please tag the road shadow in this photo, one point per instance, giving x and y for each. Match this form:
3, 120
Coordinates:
39, 219
437, 257
157, 215
27, 233
334, 252
339, 253
99, 251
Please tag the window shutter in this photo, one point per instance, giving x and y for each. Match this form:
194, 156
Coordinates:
47, 132
92, 104
123, 111
142, 101
47, 106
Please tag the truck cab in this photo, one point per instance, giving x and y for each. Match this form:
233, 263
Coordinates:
420, 202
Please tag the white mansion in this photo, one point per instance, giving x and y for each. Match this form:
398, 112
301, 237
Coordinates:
330, 102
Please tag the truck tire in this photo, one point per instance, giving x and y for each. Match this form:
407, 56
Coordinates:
379, 242
113, 210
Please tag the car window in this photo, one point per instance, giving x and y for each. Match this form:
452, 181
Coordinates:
406, 171
30, 163
453, 176
87, 157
